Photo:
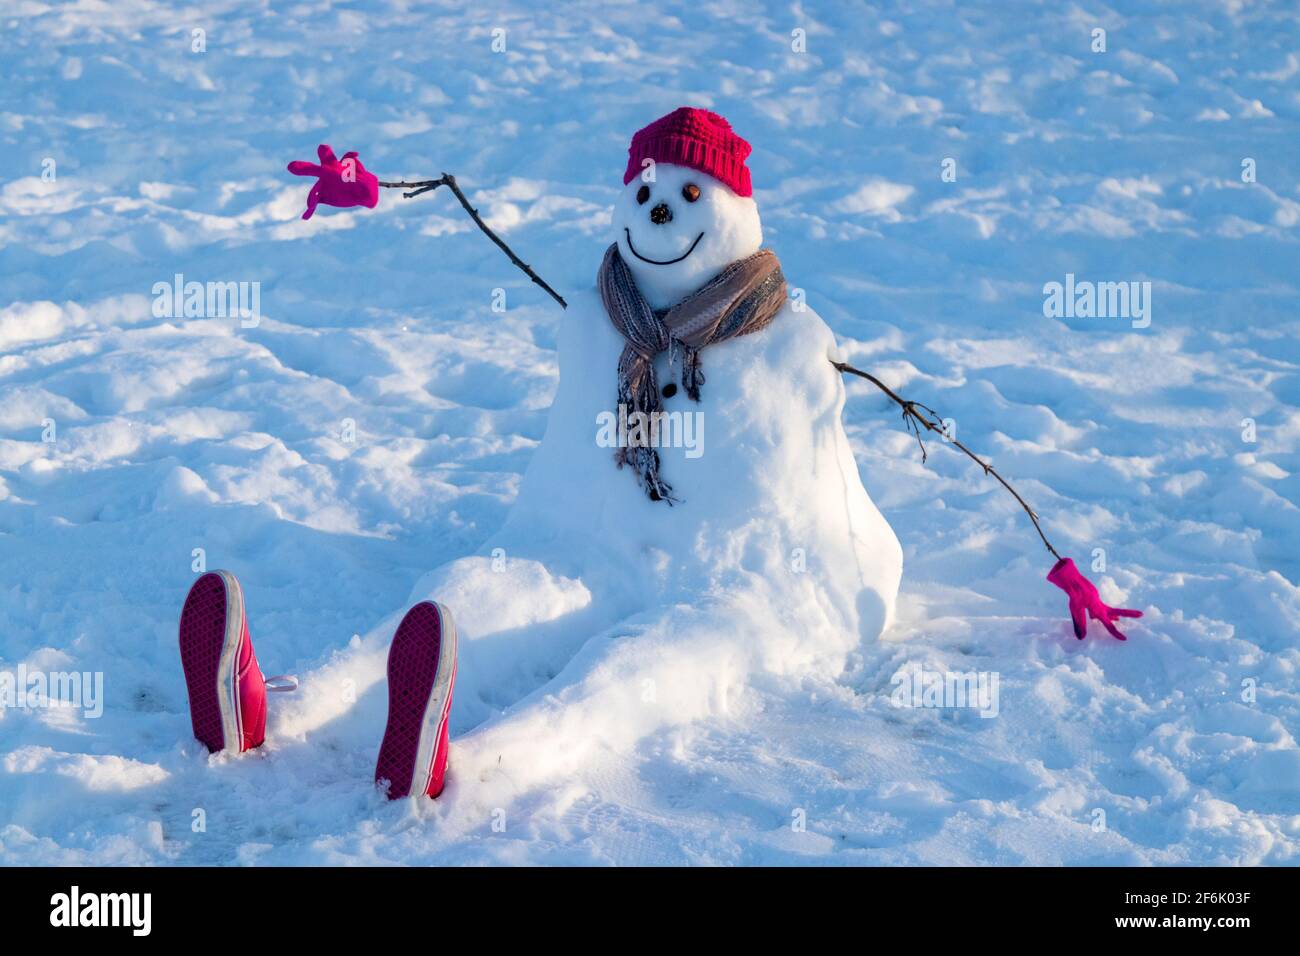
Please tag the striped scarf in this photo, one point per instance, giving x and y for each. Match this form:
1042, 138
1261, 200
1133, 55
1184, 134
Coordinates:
744, 297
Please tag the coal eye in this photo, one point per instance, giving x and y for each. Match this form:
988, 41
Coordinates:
642, 195
690, 192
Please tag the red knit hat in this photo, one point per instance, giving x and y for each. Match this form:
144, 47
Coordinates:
696, 138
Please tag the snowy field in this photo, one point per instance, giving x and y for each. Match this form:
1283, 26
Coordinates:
167, 435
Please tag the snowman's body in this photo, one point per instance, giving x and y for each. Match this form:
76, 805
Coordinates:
596, 615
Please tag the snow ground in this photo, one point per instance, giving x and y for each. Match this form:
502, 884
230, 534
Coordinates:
176, 434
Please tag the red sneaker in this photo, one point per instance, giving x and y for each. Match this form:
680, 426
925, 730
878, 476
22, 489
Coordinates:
421, 676
227, 690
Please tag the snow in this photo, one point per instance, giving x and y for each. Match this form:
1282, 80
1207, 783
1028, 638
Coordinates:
366, 442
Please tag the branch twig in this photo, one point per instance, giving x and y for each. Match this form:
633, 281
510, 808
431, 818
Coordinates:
448, 180
916, 420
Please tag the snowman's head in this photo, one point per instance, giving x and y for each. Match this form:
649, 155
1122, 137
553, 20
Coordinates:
686, 210
679, 231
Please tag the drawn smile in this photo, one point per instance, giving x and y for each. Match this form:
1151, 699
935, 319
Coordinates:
660, 262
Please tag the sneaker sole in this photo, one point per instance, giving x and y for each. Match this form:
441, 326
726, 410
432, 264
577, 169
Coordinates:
421, 674
212, 624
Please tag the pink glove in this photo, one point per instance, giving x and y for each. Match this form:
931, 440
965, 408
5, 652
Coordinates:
1084, 597
340, 182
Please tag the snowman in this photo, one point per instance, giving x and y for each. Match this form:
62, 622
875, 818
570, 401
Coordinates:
730, 533
693, 517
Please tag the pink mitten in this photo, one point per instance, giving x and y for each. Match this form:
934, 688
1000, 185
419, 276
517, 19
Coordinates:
1084, 597
339, 182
